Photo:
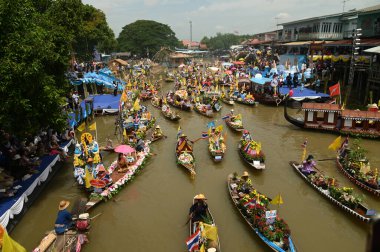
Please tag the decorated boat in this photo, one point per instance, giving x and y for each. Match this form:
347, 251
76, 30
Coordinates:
341, 196
206, 231
157, 134
100, 182
254, 208
227, 100
353, 163
71, 240
250, 151
325, 117
169, 114
216, 144
184, 154
246, 100
180, 100
146, 94
156, 102
204, 109
234, 122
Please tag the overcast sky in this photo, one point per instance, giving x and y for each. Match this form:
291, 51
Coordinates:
211, 16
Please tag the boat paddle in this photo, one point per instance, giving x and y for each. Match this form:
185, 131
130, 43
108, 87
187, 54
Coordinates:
326, 159
95, 216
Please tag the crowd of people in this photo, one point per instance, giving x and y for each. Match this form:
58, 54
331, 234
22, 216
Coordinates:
19, 158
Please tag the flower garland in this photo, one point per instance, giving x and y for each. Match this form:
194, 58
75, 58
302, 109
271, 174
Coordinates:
278, 231
116, 187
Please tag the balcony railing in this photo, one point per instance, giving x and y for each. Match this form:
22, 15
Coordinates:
317, 35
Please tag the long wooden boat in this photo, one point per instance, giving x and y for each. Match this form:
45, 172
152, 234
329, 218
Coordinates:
155, 102
185, 156
185, 106
365, 124
360, 212
354, 179
118, 178
169, 114
234, 126
193, 226
267, 99
245, 213
228, 101
72, 240
255, 163
247, 102
146, 95
207, 113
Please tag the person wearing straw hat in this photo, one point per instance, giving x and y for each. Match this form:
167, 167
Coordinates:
198, 211
157, 131
246, 184
64, 219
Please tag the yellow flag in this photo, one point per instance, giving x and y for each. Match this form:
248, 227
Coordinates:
136, 105
123, 97
124, 133
219, 128
202, 248
277, 200
336, 144
9, 245
343, 106
217, 88
210, 232
92, 126
82, 126
164, 101
303, 154
87, 178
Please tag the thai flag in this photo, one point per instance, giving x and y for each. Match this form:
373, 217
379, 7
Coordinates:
225, 117
251, 203
193, 241
204, 134
247, 147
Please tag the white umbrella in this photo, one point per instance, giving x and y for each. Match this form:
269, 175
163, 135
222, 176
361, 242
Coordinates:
214, 69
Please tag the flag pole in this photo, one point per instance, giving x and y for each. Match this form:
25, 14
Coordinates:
340, 95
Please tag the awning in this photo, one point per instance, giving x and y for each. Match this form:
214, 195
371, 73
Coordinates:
298, 43
375, 50
348, 42
261, 81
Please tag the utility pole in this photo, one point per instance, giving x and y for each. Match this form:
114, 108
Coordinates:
344, 4
355, 43
191, 34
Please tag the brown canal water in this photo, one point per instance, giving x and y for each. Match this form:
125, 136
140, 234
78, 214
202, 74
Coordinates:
149, 214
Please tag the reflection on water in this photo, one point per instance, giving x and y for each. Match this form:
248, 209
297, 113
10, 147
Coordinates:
150, 213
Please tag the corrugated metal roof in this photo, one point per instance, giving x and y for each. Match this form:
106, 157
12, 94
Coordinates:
373, 50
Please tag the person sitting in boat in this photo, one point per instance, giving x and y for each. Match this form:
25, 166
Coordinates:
103, 174
64, 219
308, 166
246, 183
246, 136
157, 131
198, 211
122, 164
140, 145
182, 146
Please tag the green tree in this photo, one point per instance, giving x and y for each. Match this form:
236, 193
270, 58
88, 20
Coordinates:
30, 97
145, 36
223, 41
